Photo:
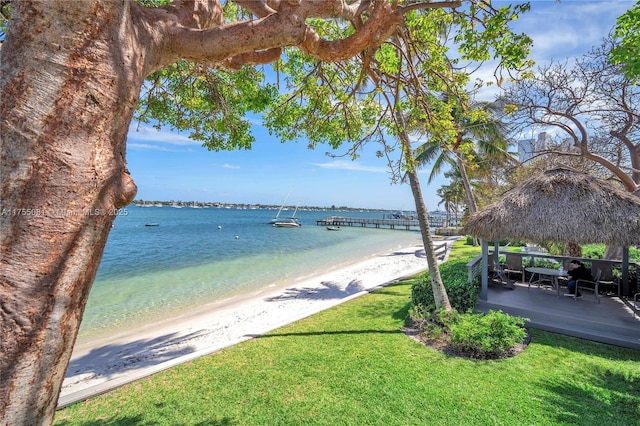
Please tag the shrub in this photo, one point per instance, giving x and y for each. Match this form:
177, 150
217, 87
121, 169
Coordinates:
463, 295
491, 335
596, 251
593, 251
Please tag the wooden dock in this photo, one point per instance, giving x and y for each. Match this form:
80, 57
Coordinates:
409, 225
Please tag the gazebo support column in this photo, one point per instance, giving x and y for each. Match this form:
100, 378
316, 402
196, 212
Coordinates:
625, 271
496, 253
484, 287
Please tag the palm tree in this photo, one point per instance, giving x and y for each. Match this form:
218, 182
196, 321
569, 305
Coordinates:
476, 142
451, 195
446, 200
440, 296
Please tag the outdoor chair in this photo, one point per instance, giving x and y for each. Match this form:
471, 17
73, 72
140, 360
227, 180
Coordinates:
589, 285
502, 276
513, 266
607, 280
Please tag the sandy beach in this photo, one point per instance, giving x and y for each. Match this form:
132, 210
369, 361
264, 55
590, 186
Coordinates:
99, 366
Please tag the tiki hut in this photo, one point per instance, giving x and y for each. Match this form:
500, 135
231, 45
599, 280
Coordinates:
562, 205
565, 206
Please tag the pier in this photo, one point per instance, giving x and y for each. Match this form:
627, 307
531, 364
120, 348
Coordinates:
407, 224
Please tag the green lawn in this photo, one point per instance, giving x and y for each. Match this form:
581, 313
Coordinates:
352, 365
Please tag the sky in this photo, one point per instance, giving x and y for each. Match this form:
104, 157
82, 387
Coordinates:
167, 165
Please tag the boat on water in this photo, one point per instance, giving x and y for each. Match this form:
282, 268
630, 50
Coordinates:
289, 222
152, 224
333, 228
277, 217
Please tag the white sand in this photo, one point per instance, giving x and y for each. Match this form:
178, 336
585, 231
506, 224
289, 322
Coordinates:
99, 366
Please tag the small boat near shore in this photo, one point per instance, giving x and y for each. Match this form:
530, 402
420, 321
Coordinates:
333, 228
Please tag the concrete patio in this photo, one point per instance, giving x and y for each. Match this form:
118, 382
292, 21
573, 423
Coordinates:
611, 321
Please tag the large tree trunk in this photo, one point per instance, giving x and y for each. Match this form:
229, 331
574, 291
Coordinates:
67, 102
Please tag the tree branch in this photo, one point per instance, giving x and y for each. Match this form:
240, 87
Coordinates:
253, 58
246, 38
260, 8
431, 5
195, 13
195, 29
616, 171
383, 21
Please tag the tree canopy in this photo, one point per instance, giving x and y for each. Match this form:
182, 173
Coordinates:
627, 52
593, 105
323, 97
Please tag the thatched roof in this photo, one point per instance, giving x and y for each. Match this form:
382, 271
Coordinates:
562, 205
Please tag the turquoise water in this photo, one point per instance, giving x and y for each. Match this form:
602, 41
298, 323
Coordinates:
198, 256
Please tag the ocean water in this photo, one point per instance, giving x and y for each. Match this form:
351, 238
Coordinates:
196, 256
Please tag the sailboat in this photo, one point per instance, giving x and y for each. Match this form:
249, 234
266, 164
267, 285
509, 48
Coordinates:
275, 219
288, 222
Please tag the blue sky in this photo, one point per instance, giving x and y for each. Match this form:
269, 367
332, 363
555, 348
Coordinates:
168, 166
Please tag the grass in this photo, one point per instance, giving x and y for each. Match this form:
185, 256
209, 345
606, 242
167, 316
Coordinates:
352, 365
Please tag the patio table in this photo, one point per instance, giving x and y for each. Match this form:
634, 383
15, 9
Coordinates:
550, 274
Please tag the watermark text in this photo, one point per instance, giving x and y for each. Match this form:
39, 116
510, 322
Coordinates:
62, 212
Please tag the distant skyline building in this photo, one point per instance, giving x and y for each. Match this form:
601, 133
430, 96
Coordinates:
527, 148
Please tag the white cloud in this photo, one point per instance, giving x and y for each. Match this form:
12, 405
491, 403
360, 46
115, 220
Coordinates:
140, 133
229, 166
561, 31
350, 165
152, 147
559, 35
256, 121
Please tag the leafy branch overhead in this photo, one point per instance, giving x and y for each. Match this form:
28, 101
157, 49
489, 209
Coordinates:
356, 101
325, 89
627, 51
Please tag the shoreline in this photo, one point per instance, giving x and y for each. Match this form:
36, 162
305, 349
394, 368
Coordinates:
124, 298
101, 365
